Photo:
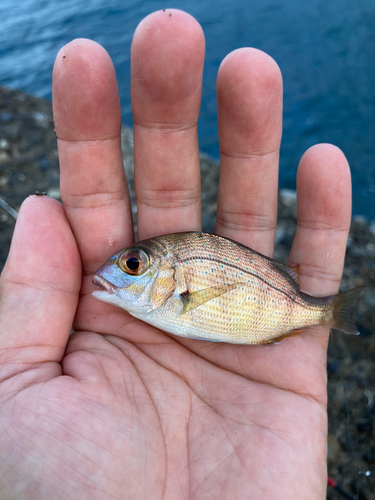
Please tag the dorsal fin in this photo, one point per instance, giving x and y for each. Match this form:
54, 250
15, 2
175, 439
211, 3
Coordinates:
292, 271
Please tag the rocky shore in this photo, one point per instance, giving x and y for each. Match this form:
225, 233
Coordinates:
29, 162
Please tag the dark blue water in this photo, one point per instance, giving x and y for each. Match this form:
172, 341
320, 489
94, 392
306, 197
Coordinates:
326, 51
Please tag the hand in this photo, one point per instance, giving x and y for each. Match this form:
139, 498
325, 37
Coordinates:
121, 410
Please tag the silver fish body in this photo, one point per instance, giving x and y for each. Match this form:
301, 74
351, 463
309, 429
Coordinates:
203, 286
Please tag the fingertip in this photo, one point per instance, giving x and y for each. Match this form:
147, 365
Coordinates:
66, 54
167, 56
249, 95
168, 23
85, 93
321, 155
43, 246
324, 175
251, 62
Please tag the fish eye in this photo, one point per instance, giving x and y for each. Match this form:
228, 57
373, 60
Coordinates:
133, 261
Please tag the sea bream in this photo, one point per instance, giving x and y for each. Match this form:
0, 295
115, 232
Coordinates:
207, 287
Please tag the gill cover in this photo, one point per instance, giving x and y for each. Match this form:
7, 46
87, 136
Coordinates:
139, 279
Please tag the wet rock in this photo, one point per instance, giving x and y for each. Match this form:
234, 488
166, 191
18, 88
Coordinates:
45, 164
287, 206
370, 299
369, 455
334, 449
333, 367
4, 179
4, 145
54, 193
5, 117
365, 425
359, 221
288, 197
368, 270
4, 157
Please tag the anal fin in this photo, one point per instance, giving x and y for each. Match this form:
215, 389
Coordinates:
292, 333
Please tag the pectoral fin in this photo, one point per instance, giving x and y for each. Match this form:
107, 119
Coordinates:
191, 300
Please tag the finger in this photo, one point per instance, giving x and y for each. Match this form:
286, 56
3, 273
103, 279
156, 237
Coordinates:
249, 97
324, 213
39, 288
87, 118
167, 63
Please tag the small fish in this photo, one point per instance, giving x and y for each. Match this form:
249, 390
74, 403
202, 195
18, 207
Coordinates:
203, 286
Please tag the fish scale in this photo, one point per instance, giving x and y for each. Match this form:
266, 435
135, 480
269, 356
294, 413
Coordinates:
267, 304
204, 286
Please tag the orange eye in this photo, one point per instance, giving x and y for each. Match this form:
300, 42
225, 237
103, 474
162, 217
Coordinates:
134, 261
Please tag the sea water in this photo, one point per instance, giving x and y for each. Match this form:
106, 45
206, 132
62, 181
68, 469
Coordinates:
326, 52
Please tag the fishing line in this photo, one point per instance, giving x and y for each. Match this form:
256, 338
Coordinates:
8, 208
332, 483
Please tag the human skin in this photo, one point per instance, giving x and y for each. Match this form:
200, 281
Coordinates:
122, 410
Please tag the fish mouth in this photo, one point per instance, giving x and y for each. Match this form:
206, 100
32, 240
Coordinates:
105, 285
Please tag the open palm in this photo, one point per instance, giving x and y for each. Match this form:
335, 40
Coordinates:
119, 409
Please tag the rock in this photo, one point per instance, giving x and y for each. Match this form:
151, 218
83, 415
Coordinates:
288, 197
4, 180
365, 425
288, 203
4, 157
368, 270
334, 449
4, 144
370, 248
45, 164
54, 193
41, 118
369, 455
370, 298
359, 221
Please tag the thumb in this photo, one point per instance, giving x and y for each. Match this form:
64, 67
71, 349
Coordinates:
39, 289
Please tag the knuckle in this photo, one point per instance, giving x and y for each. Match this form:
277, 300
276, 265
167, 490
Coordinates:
242, 221
320, 272
169, 198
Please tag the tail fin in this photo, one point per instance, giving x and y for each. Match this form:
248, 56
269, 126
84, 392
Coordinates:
342, 319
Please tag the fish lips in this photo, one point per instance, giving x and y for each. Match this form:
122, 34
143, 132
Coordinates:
103, 284
107, 291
